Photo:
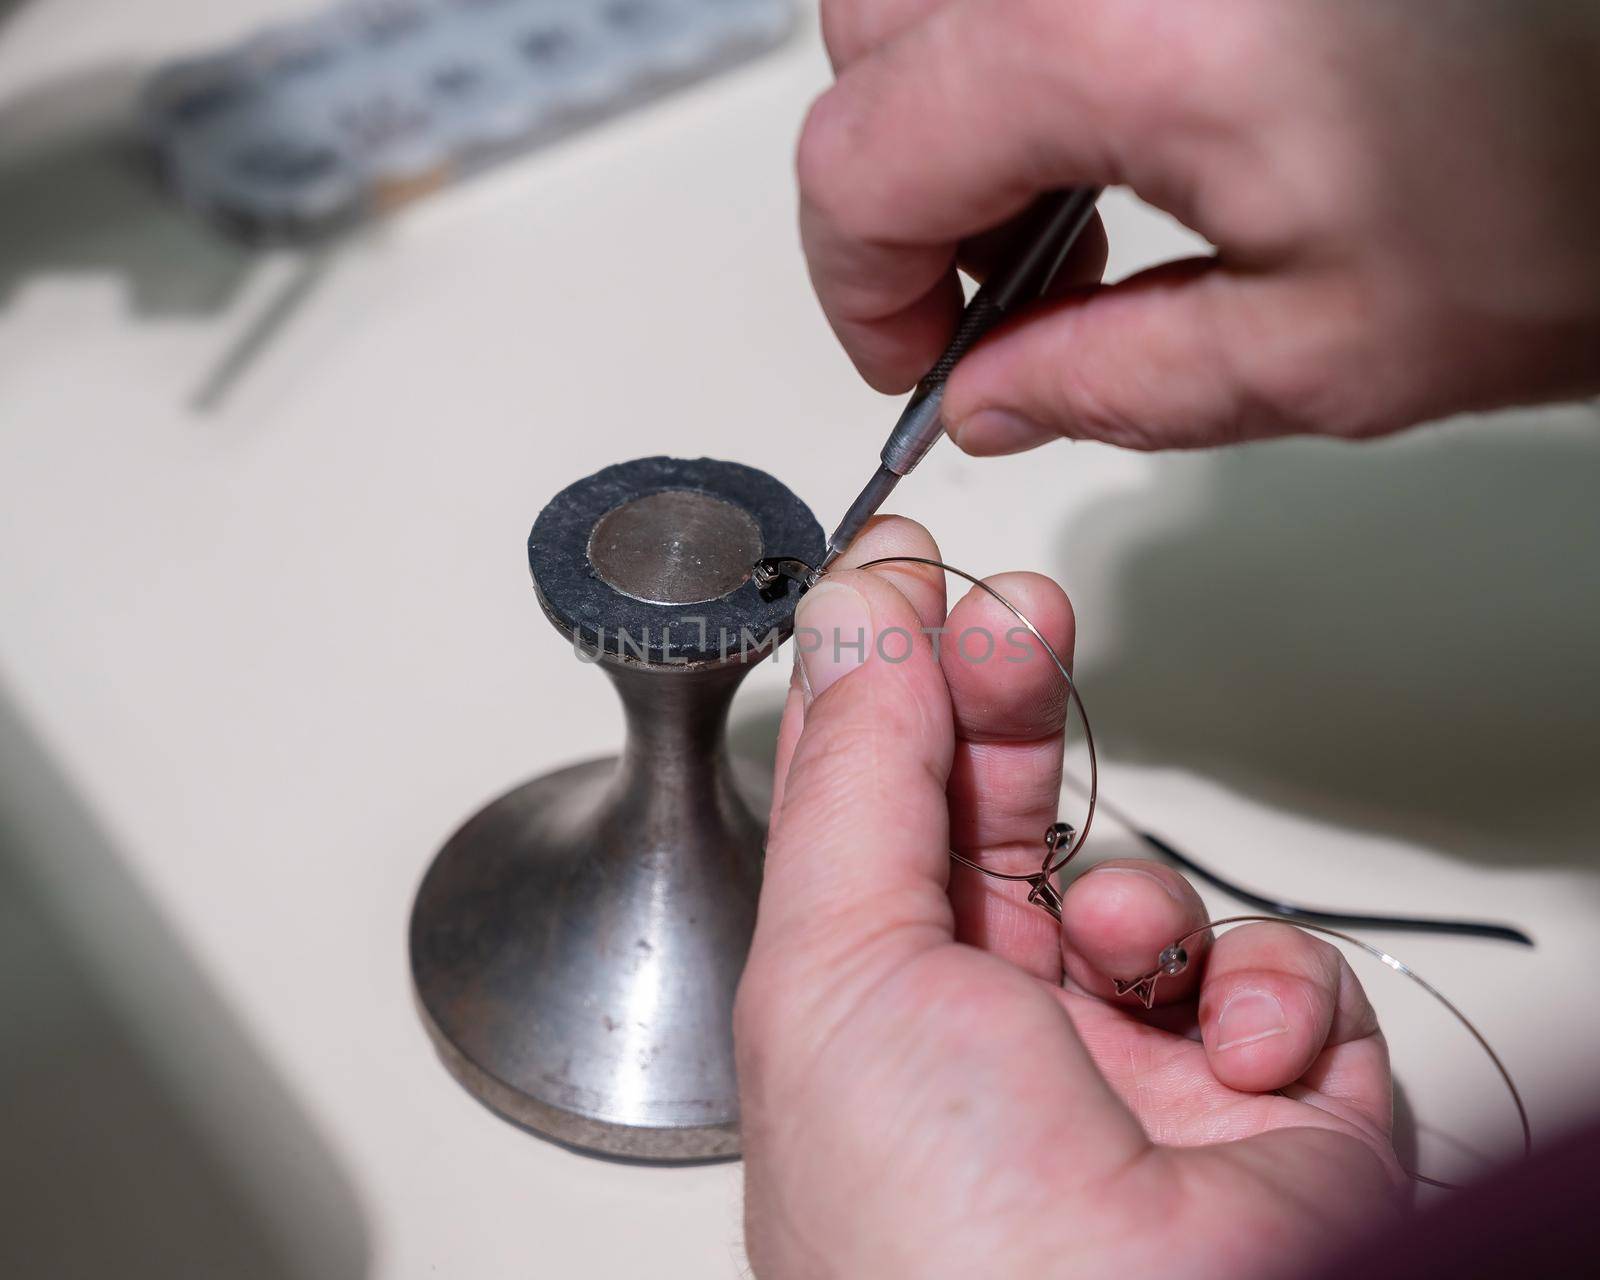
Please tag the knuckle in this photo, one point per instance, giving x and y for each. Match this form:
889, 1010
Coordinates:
840, 742
844, 742
1237, 46
1082, 405
1281, 936
1324, 961
1301, 365
847, 162
821, 155
841, 29
1266, 946
1288, 397
1046, 23
1036, 23
1284, 948
1146, 98
1326, 387
1344, 979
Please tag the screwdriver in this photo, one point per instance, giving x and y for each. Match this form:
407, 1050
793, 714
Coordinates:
1058, 220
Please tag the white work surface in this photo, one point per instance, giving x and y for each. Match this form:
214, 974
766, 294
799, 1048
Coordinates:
258, 659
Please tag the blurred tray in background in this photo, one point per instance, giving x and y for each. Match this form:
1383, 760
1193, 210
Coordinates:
311, 126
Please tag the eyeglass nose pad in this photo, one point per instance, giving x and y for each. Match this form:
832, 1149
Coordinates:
1059, 834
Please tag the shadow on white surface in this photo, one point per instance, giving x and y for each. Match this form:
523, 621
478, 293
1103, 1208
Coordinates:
1399, 637
10, 8
144, 1133
81, 201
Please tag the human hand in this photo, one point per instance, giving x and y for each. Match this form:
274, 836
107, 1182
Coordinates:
1403, 198
921, 1095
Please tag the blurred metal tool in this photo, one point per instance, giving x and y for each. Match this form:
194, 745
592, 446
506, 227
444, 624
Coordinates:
1059, 220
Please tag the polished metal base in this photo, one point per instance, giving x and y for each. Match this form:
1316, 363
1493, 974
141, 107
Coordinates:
576, 946
576, 949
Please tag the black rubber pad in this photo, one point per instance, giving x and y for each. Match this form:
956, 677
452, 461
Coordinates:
600, 617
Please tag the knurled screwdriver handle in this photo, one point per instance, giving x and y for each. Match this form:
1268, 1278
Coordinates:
1057, 222
1059, 218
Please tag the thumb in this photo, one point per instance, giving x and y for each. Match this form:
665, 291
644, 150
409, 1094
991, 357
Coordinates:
857, 859
1186, 355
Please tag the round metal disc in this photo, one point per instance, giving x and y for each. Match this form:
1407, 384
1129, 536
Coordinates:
679, 546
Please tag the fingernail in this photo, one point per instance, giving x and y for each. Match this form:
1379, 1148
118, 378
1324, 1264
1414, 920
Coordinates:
1143, 875
832, 630
1247, 1017
996, 431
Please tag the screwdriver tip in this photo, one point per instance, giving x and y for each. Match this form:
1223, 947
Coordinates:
865, 506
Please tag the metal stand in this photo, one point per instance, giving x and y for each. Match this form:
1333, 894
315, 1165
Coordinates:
576, 945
